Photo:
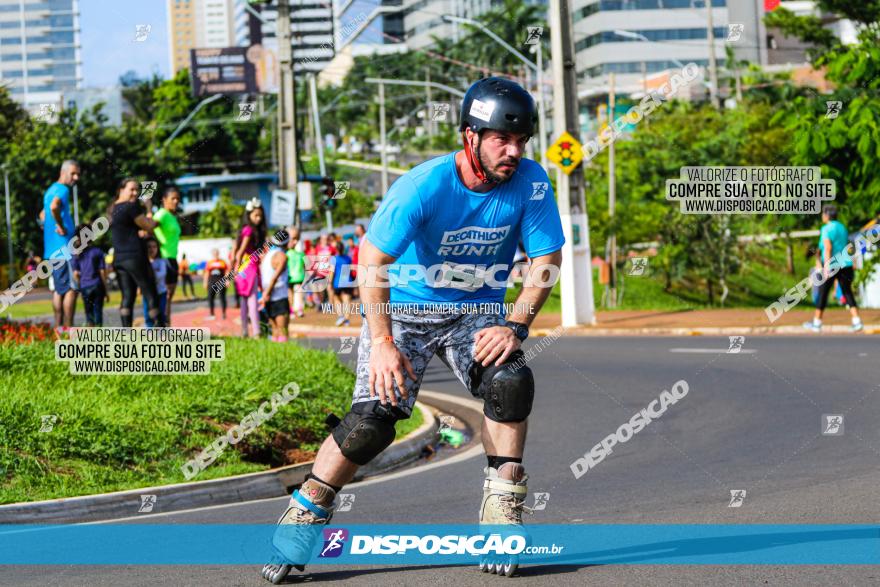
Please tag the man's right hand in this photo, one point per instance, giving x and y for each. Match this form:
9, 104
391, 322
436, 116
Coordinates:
60, 230
387, 365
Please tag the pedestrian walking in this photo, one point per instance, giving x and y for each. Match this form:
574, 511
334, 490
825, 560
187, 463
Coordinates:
128, 217
341, 287
186, 277
834, 244
57, 232
296, 272
251, 237
90, 272
274, 286
215, 282
168, 235
160, 268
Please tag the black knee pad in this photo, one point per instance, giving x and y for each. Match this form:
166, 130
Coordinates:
508, 389
366, 430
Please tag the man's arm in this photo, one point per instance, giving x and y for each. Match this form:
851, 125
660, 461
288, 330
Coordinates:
375, 291
497, 343
387, 363
532, 296
55, 209
826, 251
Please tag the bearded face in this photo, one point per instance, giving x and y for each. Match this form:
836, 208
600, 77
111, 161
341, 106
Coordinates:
500, 154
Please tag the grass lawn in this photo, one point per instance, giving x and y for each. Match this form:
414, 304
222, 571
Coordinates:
761, 279
116, 432
27, 309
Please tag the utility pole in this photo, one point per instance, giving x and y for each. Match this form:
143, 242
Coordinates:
577, 274
713, 65
287, 172
612, 197
383, 146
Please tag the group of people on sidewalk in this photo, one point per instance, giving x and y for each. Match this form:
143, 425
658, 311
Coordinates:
282, 274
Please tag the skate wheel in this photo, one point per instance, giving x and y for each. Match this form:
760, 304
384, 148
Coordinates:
275, 573
509, 569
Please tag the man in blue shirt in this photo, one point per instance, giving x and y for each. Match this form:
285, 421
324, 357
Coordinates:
433, 270
833, 246
57, 232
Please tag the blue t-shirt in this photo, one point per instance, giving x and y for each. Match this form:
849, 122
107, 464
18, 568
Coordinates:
52, 241
430, 219
839, 237
342, 272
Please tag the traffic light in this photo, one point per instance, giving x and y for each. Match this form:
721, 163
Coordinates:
329, 192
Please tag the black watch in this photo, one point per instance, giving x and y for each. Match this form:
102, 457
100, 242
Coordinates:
519, 329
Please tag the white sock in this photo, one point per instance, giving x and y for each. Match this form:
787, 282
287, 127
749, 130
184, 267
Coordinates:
817, 322
856, 320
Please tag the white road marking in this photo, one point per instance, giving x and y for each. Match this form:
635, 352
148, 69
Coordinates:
711, 351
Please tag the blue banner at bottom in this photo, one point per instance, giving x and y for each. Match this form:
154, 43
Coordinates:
440, 544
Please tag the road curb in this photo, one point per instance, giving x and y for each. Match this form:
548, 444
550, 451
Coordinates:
182, 496
707, 331
336, 331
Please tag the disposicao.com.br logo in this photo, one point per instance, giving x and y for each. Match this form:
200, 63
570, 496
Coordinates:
402, 544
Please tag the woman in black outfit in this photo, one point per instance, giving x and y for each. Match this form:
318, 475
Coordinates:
133, 269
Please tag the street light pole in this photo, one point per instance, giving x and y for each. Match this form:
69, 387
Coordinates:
542, 125
186, 120
382, 134
8, 224
76, 205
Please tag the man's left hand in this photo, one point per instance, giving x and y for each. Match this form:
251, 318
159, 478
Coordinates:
495, 342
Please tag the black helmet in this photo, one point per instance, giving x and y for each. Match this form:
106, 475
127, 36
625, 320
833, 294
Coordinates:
499, 104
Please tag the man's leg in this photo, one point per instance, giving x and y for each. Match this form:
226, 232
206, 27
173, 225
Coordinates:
504, 440
357, 439
69, 305
58, 308
331, 466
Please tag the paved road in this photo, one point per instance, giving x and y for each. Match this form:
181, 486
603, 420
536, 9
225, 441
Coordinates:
750, 421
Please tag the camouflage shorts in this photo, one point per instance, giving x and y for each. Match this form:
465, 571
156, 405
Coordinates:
419, 337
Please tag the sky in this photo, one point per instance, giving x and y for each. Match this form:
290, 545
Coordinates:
108, 41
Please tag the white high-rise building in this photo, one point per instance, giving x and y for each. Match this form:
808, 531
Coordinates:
40, 48
657, 34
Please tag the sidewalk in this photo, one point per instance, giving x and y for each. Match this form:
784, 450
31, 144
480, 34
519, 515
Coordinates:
616, 322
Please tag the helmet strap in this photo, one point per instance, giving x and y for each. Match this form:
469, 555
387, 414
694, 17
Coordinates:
474, 158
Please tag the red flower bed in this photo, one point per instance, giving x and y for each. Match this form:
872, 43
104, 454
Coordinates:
24, 332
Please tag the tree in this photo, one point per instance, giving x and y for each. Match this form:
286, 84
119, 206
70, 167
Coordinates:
701, 247
139, 94
223, 219
846, 147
